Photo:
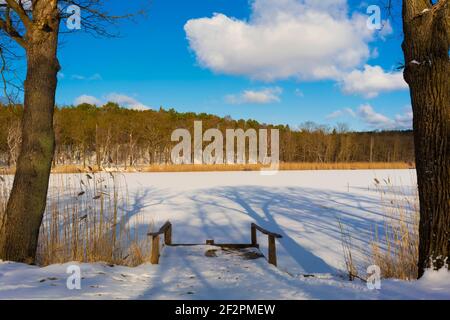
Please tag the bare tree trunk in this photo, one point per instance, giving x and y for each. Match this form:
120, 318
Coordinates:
427, 71
130, 149
84, 155
13, 142
27, 200
371, 149
98, 149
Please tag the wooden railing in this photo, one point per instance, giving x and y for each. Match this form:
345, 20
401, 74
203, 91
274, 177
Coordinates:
166, 229
272, 246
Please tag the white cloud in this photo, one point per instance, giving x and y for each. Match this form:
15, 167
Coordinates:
304, 39
87, 99
299, 93
386, 29
405, 120
375, 53
94, 77
341, 113
350, 112
126, 101
121, 99
371, 81
334, 115
263, 96
375, 120
78, 77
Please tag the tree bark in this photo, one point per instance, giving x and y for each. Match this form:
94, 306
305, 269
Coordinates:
427, 72
27, 200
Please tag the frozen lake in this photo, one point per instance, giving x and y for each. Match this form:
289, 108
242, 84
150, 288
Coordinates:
303, 206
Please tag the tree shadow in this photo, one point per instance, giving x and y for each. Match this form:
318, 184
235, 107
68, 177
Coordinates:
307, 218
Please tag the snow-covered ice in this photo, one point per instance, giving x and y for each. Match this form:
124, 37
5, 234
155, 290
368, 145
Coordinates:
303, 206
186, 273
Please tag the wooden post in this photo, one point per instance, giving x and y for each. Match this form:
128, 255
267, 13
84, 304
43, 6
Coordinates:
168, 236
272, 251
210, 242
254, 239
154, 259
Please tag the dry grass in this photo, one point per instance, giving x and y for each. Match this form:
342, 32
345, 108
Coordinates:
346, 243
234, 167
283, 166
346, 165
395, 244
88, 220
395, 249
75, 169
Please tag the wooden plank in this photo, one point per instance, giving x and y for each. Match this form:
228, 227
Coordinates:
272, 251
154, 258
168, 236
276, 235
221, 245
161, 230
254, 238
236, 245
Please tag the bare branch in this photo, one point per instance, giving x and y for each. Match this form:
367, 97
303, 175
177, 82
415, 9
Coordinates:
6, 73
96, 20
440, 5
19, 9
7, 27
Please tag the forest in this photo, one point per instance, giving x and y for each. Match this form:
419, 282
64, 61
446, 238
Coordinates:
112, 136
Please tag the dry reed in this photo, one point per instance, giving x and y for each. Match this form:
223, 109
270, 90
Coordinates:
395, 249
87, 219
346, 243
232, 167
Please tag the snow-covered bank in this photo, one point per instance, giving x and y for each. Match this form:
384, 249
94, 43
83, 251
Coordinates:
185, 273
303, 206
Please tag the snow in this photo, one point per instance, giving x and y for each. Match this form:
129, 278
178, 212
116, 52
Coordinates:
186, 273
303, 206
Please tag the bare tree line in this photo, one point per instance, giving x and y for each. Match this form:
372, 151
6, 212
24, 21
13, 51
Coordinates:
111, 136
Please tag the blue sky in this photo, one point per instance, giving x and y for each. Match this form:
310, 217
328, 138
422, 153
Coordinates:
276, 61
